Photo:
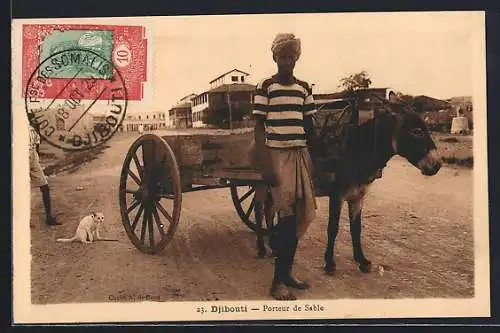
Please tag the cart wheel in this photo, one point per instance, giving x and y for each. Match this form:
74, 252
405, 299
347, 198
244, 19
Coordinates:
244, 202
150, 194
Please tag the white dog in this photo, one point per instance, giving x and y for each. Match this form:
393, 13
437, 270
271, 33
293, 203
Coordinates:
88, 230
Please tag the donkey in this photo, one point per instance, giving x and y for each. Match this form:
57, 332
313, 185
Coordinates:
396, 130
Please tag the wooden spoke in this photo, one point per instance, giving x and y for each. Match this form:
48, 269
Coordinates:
246, 195
250, 209
131, 191
136, 219
131, 208
134, 177
157, 220
164, 212
151, 230
143, 229
138, 166
145, 161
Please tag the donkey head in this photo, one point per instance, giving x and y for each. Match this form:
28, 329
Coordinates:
411, 139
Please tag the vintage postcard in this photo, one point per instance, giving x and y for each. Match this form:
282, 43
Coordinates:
250, 167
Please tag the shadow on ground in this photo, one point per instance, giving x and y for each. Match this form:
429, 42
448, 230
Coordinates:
72, 161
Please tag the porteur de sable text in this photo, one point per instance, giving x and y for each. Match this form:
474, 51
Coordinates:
265, 308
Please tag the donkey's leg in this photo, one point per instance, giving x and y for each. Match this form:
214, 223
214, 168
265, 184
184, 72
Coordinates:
355, 209
258, 211
335, 205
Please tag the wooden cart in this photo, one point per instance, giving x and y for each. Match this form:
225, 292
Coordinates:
157, 171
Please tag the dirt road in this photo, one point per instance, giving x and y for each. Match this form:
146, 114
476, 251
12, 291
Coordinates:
419, 227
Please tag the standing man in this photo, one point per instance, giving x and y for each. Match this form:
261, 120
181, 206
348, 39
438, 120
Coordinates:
37, 176
283, 108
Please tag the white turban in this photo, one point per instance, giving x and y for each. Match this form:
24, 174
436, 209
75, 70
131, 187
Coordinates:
287, 40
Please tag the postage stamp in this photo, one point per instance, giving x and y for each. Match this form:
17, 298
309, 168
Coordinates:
123, 46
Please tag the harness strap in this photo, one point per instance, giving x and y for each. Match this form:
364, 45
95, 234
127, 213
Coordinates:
397, 130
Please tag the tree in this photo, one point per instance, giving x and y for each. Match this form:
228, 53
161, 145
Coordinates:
355, 81
350, 85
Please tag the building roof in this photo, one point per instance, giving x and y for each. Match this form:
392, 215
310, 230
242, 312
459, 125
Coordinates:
343, 94
233, 87
184, 105
327, 100
336, 95
134, 112
190, 96
460, 99
430, 102
232, 70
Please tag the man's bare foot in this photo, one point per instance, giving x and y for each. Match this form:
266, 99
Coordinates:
296, 283
281, 293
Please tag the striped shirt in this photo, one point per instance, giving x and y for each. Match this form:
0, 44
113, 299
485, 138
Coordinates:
284, 108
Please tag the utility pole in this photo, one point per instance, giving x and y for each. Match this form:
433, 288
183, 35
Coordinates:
230, 110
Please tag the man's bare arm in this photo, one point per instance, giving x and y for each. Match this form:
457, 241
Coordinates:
262, 158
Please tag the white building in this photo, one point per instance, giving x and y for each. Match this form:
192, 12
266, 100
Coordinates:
199, 109
150, 120
179, 116
234, 79
233, 76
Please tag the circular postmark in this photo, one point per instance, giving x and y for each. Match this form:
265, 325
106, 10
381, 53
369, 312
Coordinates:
88, 106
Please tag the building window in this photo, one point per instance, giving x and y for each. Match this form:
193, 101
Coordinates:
139, 117
234, 78
242, 78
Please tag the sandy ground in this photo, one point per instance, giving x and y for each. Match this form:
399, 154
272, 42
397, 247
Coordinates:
419, 227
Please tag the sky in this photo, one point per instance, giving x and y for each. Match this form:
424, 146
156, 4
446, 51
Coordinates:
415, 53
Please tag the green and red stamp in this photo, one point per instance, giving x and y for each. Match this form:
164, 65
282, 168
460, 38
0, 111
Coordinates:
78, 80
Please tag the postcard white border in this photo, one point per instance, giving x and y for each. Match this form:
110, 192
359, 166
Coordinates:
25, 312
